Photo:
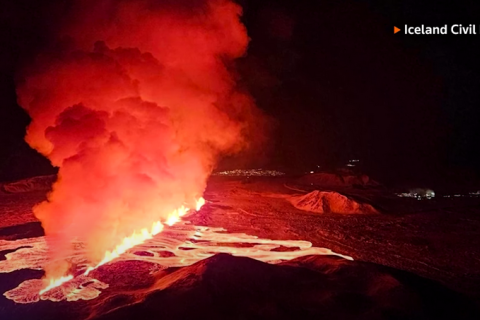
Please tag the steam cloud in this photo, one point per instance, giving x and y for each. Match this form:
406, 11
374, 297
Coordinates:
134, 104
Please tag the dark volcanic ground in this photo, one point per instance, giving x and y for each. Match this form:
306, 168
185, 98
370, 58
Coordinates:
438, 239
416, 260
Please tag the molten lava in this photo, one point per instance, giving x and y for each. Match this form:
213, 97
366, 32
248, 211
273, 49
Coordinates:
185, 243
129, 242
56, 282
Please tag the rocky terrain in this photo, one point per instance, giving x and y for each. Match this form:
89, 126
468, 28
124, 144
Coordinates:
412, 260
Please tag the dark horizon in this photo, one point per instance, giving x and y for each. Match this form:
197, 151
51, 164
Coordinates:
333, 76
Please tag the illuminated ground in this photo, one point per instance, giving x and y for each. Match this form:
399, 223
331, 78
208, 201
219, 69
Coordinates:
437, 240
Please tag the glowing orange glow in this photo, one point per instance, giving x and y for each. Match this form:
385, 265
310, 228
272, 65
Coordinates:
133, 120
200, 203
174, 217
140, 237
56, 282
137, 237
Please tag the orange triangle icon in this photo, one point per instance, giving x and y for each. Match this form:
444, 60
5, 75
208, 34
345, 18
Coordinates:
395, 30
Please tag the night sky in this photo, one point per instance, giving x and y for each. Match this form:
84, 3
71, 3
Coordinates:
339, 84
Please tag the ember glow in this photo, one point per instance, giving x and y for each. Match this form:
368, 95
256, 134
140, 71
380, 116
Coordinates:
135, 114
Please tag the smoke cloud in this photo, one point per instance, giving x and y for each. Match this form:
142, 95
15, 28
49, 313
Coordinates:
134, 103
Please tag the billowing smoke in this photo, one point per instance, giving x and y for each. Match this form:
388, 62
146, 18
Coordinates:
134, 103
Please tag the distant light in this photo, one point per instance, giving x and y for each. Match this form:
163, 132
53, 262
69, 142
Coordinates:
312, 171
249, 172
420, 194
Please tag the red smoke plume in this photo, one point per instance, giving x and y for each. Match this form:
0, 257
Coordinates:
135, 105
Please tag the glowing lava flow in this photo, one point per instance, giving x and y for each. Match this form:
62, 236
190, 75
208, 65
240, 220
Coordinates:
56, 282
129, 242
182, 245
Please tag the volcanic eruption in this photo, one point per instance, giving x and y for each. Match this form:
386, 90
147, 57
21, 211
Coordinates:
134, 102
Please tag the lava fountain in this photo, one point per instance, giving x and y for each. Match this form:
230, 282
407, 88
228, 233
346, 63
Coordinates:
134, 102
